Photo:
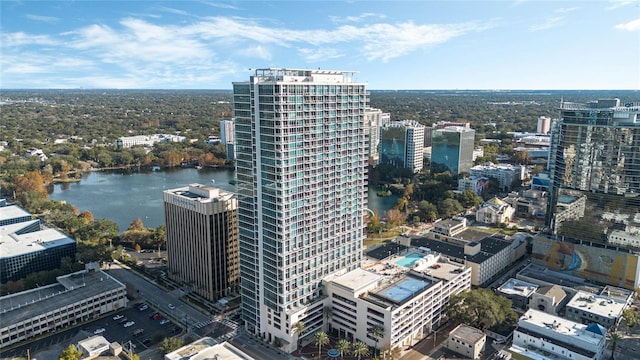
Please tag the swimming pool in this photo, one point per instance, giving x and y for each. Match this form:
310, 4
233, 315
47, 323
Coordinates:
409, 260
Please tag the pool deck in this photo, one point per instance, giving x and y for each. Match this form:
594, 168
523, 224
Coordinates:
388, 265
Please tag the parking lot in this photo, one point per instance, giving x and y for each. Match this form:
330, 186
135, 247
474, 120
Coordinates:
145, 332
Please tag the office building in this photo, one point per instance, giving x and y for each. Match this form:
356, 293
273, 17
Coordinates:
586, 308
26, 246
74, 299
302, 192
544, 125
595, 153
401, 145
452, 149
228, 137
146, 140
408, 306
373, 124
506, 174
543, 336
202, 239
517, 291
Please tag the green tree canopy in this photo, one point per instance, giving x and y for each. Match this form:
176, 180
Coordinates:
70, 353
481, 308
170, 344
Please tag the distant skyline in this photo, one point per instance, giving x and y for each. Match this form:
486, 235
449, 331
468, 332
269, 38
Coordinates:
583, 45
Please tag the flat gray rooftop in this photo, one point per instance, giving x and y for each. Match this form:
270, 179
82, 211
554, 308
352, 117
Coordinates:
69, 290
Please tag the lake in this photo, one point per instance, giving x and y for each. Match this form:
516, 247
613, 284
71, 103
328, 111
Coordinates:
125, 195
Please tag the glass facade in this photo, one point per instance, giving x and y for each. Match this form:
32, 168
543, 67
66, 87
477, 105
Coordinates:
302, 156
594, 168
452, 150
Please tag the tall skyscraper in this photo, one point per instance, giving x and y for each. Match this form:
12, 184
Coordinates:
202, 239
228, 137
452, 149
302, 193
594, 166
402, 145
373, 123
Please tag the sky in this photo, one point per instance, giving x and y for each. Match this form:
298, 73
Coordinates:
392, 45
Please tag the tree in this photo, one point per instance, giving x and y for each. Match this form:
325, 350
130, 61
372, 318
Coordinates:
137, 224
481, 308
344, 346
449, 207
469, 198
70, 353
170, 344
427, 211
299, 328
395, 217
632, 317
360, 349
322, 339
30, 182
615, 338
390, 353
376, 332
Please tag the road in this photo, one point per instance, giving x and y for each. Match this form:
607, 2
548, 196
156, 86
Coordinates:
158, 296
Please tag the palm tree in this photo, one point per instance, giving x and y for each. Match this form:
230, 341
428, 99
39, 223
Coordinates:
390, 353
298, 328
615, 338
321, 339
376, 332
360, 349
344, 346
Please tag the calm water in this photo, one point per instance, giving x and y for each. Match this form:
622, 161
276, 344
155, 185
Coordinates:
123, 196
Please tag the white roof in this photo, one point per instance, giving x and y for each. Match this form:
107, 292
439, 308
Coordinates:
518, 287
357, 279
600, 305
12, 212
541, 322
13, 244
207, 348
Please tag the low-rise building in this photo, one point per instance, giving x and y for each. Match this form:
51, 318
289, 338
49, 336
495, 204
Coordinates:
26, 246
467, 341
543, 336
146, 140
486, 257
473, 183
586, 308
75, 298
528, 203
93, 346
407, 306
518, 291
548, 299
207, 348
495, 211
506, 174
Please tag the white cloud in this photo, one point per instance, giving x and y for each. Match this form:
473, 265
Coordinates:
259, 51
356, 19
633, 25
566, 10
615, 4
10, 40
549, 23
320, 54
45, 19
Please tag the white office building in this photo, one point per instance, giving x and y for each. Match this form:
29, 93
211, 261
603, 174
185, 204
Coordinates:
506, 174
402, 145
543, 336
146, 140
301, 165
373, 122
228, 137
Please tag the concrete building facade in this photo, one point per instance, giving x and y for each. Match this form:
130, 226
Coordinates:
75, 298
202, 239
302, 157
467, 341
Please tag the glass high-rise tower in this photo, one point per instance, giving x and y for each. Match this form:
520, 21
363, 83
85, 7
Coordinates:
594, 164
302, 154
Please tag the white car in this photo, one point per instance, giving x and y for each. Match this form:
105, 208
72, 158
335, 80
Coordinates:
171, 306
164, 321
98, 331
128, 324
118, 317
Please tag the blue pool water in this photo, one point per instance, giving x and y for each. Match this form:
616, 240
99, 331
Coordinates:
409, 260
404, 289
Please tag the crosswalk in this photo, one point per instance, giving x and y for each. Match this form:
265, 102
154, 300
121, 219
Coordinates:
228, 323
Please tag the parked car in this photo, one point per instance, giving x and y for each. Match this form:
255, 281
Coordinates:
130, 323
156, 316
171, 306
164, 321
98, 331
118, 317
143, 307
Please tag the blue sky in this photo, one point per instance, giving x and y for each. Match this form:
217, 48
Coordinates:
392, 44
